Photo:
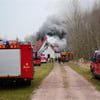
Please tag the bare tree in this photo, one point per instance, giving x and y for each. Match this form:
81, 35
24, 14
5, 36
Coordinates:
83, 31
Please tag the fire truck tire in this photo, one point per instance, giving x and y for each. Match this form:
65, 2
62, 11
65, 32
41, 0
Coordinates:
93, 74
1, 82
91, 69
39, 64
28, 83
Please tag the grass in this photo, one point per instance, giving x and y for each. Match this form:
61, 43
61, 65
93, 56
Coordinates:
87, 74
64, 76
24, 92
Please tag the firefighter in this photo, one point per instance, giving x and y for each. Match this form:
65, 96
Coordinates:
59, 59
63, 59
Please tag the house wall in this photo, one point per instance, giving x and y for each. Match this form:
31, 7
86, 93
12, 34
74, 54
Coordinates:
50, 51
57, 55
46, 49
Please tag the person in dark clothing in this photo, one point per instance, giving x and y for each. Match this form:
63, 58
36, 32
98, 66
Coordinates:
59, 59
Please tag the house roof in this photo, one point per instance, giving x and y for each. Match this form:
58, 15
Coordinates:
39, 44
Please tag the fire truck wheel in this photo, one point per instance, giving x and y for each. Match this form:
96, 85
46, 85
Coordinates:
28, 82
93, 74
39, 64
1, 82
91, 69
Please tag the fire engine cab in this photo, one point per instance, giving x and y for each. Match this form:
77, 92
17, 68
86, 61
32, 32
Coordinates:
36, 59
16, 63
95, 64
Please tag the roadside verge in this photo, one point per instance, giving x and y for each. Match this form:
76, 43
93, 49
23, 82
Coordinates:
86, 74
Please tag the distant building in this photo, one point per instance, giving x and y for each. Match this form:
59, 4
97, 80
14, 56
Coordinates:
40, 45
43, 47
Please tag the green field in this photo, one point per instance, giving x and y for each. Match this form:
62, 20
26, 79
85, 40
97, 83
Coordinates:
24, 92
86, 73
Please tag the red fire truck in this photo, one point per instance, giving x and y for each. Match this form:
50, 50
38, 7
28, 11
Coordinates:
95, 64
16, 63
37, 59
66, 56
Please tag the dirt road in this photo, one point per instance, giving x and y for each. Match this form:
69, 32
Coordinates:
52, 87
79, 88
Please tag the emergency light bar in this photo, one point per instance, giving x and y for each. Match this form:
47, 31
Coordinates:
2, 46
10, 46
7, 44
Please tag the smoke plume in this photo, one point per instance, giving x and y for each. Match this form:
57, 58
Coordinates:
55, 29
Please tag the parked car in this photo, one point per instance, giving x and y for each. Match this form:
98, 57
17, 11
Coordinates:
37, 60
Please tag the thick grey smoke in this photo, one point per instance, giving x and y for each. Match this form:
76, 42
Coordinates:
55, 26
55, 29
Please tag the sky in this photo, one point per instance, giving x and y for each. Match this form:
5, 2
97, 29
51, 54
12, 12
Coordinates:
21, 18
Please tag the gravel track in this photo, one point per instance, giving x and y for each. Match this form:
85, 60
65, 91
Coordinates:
79, 88
52, 87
